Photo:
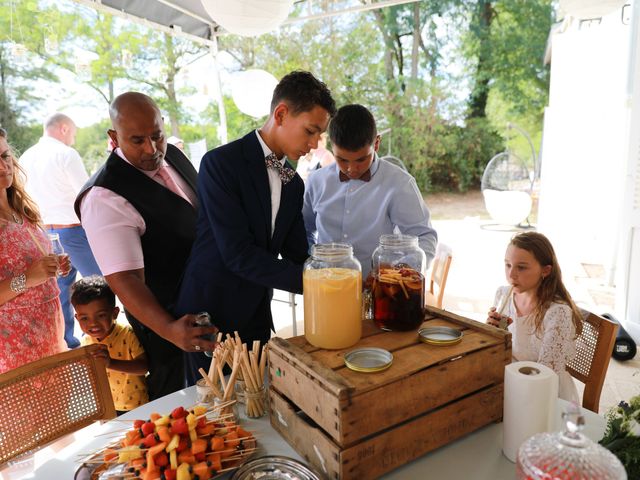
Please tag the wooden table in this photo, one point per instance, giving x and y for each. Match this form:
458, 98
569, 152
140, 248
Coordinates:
478, 455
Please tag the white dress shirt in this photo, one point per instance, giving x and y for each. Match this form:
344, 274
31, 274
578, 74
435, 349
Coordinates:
55, 174
275, 184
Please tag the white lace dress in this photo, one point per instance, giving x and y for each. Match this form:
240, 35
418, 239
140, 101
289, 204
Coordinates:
553, 347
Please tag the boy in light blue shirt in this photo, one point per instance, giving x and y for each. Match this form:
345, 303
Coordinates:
362, 197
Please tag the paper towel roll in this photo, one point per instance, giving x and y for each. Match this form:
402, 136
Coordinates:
530, 396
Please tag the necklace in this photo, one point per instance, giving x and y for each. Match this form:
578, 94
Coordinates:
14, 216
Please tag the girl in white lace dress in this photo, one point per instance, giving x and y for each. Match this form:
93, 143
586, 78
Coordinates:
541, 316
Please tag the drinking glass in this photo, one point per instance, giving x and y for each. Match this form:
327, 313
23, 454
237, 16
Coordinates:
56, 249
204, 320
500, 306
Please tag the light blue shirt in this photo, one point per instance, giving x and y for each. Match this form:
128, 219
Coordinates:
358, 212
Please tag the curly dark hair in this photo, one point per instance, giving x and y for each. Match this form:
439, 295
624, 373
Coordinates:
89, 289
302, 92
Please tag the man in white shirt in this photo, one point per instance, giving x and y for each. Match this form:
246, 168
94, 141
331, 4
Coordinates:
55, 174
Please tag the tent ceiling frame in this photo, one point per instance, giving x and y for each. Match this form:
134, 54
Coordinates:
99, 6
370, 5
213, 27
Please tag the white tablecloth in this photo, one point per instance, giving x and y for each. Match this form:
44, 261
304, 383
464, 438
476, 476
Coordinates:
477, 455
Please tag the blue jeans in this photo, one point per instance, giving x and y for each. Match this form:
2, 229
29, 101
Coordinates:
74, 241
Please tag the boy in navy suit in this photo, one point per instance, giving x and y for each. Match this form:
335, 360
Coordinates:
250, 213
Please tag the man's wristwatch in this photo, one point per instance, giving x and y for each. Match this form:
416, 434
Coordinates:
18, 283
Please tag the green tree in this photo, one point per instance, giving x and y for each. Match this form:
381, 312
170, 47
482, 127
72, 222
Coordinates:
91, 143
480, 39
114, 44
21, 69
169, 55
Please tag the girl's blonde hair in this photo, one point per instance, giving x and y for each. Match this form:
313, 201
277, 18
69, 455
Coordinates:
551, 288
19, 199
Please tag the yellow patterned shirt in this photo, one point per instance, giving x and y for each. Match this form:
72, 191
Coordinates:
128, 391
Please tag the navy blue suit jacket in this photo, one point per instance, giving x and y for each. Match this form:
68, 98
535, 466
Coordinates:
234, 262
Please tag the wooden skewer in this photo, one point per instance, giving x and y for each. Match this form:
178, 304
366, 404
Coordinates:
242, 450
232, 379
249, 385
256, 369
226, 470
263, 361
207, 380
247, 373
212, 368
242, 454
223, 382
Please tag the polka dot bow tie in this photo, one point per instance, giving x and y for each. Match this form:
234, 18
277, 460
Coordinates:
286, 174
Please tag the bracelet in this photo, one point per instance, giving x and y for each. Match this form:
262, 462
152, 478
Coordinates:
18, 283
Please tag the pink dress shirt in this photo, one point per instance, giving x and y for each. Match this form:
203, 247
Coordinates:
114, 226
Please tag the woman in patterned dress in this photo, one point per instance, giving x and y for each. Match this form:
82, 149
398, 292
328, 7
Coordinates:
31, 322
541, 315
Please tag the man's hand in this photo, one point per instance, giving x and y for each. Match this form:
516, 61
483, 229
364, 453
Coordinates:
186, 334
136, 297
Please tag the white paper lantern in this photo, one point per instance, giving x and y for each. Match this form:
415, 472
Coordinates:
583, 9
252, 90
19, 54
248, 18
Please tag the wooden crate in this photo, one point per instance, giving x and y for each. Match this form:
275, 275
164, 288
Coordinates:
353, 425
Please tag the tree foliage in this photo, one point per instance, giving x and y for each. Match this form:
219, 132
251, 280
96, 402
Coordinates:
442, 77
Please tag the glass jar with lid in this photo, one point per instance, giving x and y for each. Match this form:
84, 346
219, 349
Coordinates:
398, 285
566, 455
332, 289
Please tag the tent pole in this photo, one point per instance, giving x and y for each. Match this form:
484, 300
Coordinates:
222, 130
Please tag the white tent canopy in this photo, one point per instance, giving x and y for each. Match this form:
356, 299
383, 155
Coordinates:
188, 18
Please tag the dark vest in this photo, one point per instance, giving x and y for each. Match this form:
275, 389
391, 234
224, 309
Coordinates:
170, 220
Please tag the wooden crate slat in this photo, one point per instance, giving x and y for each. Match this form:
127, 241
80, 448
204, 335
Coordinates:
441, 322
469, 323
331, 381
294, 382
396, 342
307, 439
368, 329
396, 402
383, 453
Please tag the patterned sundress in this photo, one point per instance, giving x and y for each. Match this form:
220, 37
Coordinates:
31, 324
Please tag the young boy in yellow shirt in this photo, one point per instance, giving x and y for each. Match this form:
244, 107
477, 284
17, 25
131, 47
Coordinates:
96, 312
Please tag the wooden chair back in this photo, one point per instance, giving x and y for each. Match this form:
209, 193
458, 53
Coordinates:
51, 397
593, 353
439, 274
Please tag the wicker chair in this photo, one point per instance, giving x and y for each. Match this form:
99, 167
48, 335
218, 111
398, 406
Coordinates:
439, 274
593, 352
49, 398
